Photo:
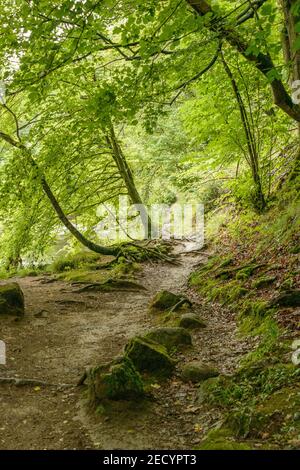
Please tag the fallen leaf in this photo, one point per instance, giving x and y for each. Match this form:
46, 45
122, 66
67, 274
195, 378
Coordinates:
197, 428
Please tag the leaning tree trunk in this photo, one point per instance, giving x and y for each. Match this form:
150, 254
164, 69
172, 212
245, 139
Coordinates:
290, 36
54, 202
127, 176
64, 219
292, 56
258, 197
262, 61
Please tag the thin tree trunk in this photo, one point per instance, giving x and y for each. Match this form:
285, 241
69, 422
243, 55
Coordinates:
259, 199
128, 179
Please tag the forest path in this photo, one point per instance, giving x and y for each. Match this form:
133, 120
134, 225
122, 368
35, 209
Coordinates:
64, 332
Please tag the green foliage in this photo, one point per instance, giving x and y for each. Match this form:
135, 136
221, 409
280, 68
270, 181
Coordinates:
250, 385
78, 260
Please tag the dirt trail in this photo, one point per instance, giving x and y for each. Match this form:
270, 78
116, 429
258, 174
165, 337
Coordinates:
64, 332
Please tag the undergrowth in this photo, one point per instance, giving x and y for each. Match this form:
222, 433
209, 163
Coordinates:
256, 258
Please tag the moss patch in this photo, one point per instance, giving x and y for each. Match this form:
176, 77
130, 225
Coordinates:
222, 439
118, 380
11, 299
171, 338
165, 300
264, 281
148, 356
197, 372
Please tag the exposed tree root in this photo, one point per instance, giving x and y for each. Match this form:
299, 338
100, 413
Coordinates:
19, 382
179, 304
111, 284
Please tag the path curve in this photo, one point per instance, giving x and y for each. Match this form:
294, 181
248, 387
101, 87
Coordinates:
64, 332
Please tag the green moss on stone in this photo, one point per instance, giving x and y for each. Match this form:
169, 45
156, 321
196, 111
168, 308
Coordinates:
170, 337
165, 300
148, 356
191, 320
222, 439
11, 299
197, 372
290, 298
118, 380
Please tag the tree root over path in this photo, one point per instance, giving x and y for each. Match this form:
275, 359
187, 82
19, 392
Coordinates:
20, 382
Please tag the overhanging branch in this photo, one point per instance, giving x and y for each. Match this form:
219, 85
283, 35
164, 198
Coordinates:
262, 61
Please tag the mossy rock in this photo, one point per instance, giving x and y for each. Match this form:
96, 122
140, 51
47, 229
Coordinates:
262, 282
11, 299
197, 372
170, 337
289, 298
252, 424
165, 300
117, 380
191, 320
148, 356
268, 416
222, 439
208, 387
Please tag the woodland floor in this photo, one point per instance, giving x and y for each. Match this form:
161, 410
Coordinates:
64, 332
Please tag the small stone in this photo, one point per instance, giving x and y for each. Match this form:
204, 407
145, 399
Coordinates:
197, 372
170, 337
41, 314
165, 300
191, 320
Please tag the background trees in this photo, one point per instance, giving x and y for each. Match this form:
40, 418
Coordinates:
158, 100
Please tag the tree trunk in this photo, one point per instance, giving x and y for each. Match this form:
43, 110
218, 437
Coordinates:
128, 179
258, 198
66, 222
103, 250
292, 56
262, 61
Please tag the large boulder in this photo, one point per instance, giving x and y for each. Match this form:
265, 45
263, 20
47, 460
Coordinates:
148, 356
165, 300
117, 380
192, 321
197, 372
11, 299
170, 337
